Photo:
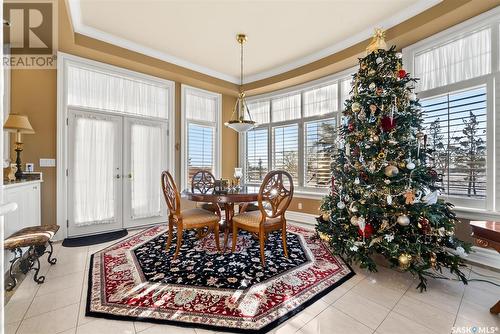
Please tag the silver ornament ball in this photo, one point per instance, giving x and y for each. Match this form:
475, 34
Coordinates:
403, 220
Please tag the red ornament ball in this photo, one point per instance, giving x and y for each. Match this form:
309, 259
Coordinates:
424, 225
350, 127
401, 74
433, 173
387, 123
368, 231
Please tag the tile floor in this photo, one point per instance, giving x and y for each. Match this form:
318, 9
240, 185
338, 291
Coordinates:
385, 302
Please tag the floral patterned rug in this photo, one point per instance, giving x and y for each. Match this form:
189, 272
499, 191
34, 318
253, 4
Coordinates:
137, 279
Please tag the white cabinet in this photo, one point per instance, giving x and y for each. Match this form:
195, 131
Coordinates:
27, 197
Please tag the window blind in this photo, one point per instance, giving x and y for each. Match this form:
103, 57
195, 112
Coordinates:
91, 88
285, 149
457, 60
286, 108
456, 128
259, 111
319, 142
257, 153
320, 101
201, 149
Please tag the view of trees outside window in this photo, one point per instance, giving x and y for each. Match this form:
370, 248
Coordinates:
456, 131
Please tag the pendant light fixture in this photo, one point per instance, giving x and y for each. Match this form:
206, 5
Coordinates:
238, 122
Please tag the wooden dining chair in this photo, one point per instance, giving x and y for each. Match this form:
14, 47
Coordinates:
197, 218
274, 197
203, 182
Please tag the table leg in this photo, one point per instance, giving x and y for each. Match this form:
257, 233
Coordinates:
229, 213
495, 309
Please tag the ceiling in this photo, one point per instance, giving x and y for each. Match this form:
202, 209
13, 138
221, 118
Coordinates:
200, 35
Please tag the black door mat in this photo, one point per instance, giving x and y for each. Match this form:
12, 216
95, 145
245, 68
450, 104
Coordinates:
94, 239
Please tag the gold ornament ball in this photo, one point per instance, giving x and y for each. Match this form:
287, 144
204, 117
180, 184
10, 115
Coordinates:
391, 171
326, 216
403, 220
355, 107
324, 237
404, 261
433, 260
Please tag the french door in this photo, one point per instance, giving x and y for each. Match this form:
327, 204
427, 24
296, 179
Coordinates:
114, 171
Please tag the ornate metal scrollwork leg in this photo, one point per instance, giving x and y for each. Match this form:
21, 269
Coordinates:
36, 268
51, 260
9, 286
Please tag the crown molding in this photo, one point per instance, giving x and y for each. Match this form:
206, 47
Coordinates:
74, 9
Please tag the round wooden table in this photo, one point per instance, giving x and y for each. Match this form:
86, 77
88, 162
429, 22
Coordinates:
226, 202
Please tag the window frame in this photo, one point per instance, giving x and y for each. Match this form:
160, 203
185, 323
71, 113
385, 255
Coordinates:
300, 188
469, 208
185, 90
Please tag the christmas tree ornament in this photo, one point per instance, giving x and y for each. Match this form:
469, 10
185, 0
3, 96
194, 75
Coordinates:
356, 180
373, 108
362, 116
424, 225
354, 220
401, 74
377, 43
341, 205
385, 225
403, 220
391, 171
387, 181
410, 165
387, 123
355, 107
389, 199
347, 149
409, 196
389, 237
324, 237
433, 259
367, 230
353, 207
399, 55
379, 91
379, 60
412, 96
404, 261
430, 198
372, 86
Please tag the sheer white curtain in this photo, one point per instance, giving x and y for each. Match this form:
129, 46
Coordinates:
97, 90
286, 108
259, 110
320, 101
461, 59
200, 107
93, 147
146, 168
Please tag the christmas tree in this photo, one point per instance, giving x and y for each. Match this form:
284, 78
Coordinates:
384, 191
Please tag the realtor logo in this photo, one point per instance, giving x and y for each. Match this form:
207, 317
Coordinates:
30, 34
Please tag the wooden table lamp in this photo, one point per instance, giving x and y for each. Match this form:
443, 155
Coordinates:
18, 124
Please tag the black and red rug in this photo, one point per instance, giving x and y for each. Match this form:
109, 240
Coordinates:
136, 279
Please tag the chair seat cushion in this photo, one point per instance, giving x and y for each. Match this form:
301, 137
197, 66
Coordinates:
253, 219
31, 236
198, 217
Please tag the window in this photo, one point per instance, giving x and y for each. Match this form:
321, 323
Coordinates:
456, 128
319, 141
295, 132
459, 71
201, 136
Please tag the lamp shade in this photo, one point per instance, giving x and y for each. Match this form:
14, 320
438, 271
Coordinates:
18, 123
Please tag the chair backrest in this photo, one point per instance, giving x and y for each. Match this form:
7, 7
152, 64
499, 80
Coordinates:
277, 191
202, 181
172, 196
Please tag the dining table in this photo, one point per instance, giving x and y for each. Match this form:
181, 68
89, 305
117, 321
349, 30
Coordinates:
226, 200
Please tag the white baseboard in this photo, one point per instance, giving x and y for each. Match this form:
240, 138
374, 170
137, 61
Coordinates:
301, 217
484, 256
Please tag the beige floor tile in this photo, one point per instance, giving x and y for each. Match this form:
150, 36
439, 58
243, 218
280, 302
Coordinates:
15, 310
52, 322
378, 293
425, 314
106, 327
203, 331
310, 312
11, 328
398, 324
82, 319
334, 295
289, 326
24, 292
63, 269
61, 282
69, 331
52, 301
167, 329
391, 278
482, 293
363, 310
333, 321
478, 314
443, 294
142, 325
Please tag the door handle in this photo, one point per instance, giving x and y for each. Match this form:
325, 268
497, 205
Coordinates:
117, 176
129, 175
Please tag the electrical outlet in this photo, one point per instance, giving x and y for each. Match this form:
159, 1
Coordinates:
299, 206
47, 162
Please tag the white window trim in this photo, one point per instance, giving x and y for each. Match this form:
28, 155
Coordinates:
63, 59
491, 20
184, 133
303, 192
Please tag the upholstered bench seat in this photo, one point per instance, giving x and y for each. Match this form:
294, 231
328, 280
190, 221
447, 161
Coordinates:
36, 239
31, 236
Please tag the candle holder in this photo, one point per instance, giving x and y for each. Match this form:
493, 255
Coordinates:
238, 174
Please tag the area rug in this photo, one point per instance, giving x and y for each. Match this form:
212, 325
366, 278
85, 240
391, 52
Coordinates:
137, 279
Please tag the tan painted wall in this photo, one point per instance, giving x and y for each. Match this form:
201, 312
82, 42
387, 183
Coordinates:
34, 93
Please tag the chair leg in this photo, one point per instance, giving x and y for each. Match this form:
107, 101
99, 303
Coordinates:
170, 234
216, 236
235, 237
283, 237
179, 240
262, 242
